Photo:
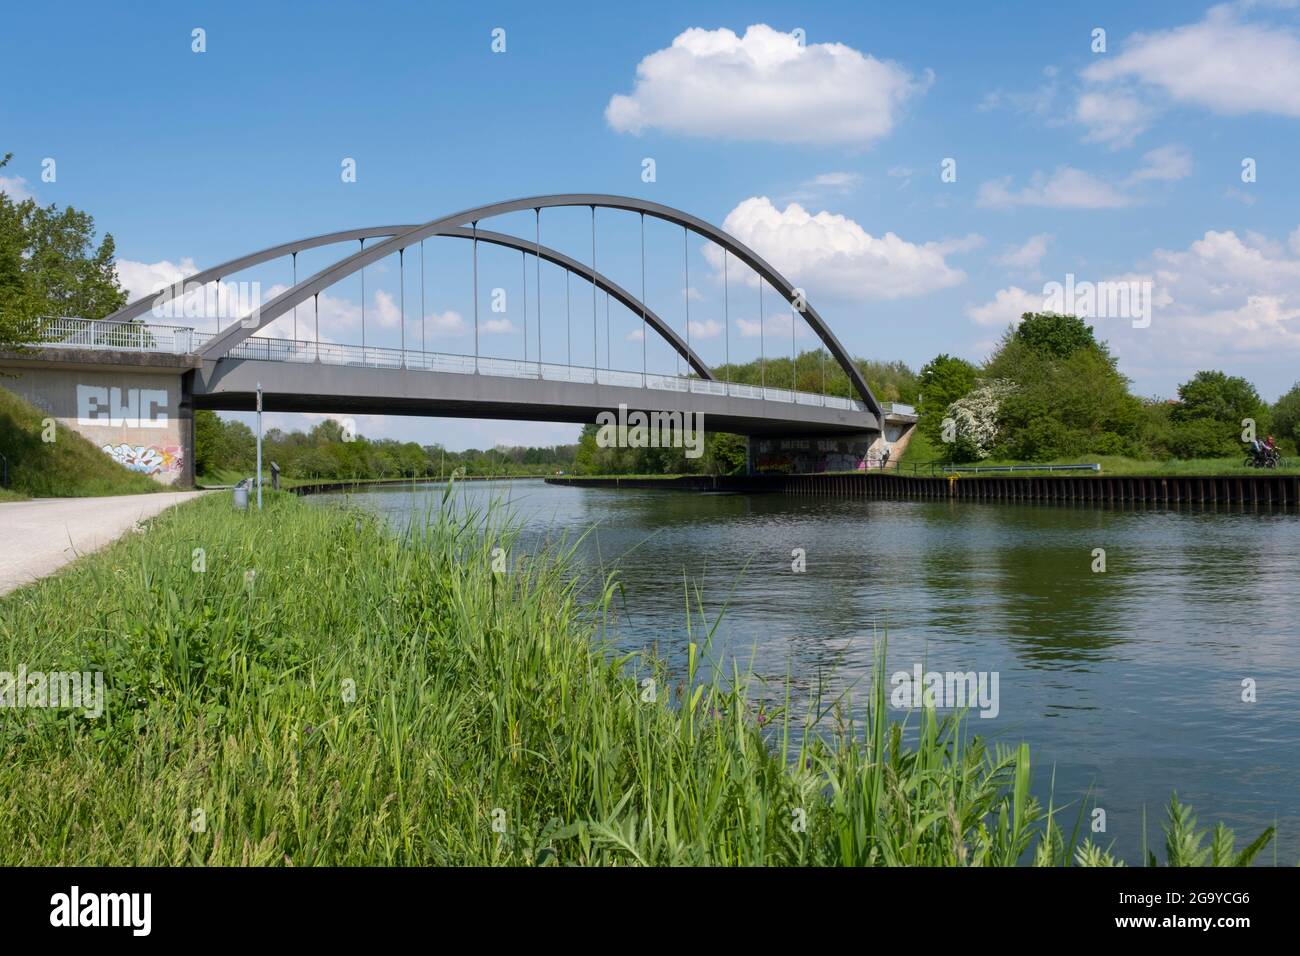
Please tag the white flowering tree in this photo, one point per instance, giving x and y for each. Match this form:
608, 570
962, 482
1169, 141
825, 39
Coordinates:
974, 426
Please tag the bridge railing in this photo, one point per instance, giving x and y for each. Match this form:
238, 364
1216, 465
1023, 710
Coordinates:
897, 408
287, 350
132, 336
138, 336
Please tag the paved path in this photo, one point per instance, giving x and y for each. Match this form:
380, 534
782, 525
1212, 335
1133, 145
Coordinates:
40, 536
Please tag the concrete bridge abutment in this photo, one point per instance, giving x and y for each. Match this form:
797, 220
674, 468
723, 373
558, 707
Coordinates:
136, 408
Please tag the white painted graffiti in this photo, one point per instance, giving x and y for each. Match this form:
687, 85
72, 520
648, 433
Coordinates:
101, 405
146, 459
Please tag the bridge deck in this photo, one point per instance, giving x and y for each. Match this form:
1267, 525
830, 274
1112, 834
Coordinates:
307, 376
231, 383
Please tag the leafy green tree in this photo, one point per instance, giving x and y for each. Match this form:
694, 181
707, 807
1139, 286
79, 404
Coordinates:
943, 380
976, 419
51, 266
1286, 416
222, 445
208, 437
1202, 438
725, 454
1056, 335
585, 461
314, 463
819, 373
240, 445
1071, 399
1157, 430
1212, 411
1069, 407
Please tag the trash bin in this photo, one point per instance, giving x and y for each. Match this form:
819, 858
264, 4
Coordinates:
241, 496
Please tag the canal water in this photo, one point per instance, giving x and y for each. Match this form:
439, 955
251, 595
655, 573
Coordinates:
1126, 682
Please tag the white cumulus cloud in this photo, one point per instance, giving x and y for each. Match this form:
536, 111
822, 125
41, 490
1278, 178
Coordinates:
1226, 300
227, 300
704, 329
775, 327
1166, 164
16, 188
1027, 256
765, 86
831, 255
1006, 307
1064, 188
1114, 119
141, 279
1222, 62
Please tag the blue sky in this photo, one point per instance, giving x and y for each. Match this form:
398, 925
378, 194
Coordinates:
825, 153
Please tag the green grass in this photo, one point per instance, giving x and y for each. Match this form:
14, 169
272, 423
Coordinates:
921, 451
223, 476
219, 476
639, 477
490, 722
1118, 465
68, 467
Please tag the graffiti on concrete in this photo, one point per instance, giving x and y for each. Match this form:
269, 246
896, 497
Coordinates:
117, 407
146, 459
812, 455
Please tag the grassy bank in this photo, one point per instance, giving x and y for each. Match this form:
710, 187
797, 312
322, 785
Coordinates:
226, 477
68, 467
1118, 465
325, 692
921, 451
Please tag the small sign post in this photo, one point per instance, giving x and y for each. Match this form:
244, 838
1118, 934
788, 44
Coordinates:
259, 446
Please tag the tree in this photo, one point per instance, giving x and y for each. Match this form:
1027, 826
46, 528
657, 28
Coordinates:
889, 381
50, 266
725, 454
1212, 412
208, 436
943, 380
975, 417
314, 463
1070, 398
1069, 407
1157, 430
585, 461
1286, 415
222, 445
1056, 335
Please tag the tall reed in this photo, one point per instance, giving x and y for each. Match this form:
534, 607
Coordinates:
329, 691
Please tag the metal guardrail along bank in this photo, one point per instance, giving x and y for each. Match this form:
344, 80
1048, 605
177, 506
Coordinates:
948, 468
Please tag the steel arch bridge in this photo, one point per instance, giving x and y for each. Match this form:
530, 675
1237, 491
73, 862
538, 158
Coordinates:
302, 375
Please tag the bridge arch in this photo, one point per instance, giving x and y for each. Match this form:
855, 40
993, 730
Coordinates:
133, 310
603, 282
400, 239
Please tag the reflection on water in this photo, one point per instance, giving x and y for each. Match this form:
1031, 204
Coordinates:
1127, 681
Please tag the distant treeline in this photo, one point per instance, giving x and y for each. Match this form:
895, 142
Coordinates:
1050, 390
819, 373
724, 454
229, 446
323, 453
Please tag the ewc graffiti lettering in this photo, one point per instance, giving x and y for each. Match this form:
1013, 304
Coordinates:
146, 459
117, 407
